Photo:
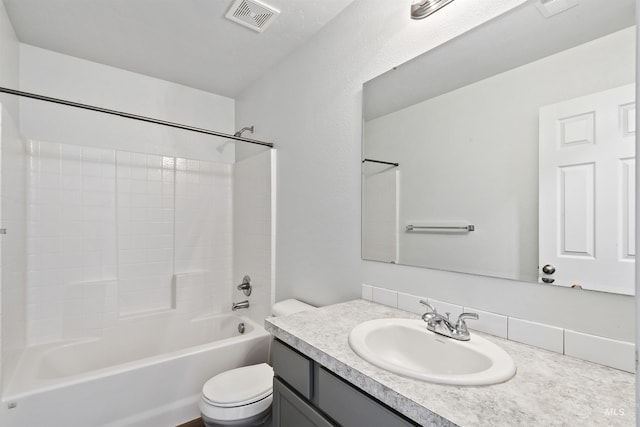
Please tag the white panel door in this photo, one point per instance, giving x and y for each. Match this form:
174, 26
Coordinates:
587, 191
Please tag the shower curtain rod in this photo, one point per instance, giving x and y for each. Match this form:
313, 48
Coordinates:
132, 116
381, 162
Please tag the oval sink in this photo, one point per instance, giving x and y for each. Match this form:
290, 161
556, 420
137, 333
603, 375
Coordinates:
407, 348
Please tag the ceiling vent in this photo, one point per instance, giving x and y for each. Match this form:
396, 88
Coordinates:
548, 8
252, 14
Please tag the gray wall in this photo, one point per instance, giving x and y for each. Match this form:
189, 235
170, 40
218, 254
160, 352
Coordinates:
310, 106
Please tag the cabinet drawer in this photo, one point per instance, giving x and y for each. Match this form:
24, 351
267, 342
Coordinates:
350, 407
293, 368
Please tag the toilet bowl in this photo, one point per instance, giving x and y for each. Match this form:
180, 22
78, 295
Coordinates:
242, 397
238, 397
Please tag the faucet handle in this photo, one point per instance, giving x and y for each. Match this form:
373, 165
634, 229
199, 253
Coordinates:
245, 286
430, 308
431, 312
461, 323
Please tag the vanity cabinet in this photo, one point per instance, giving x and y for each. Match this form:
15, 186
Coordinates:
307, 394
289, 409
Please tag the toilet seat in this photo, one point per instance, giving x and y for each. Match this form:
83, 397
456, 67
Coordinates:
244, 395
239, 393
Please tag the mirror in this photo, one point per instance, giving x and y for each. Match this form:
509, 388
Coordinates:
509, 151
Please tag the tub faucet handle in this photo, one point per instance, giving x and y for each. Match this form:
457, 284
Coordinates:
245, 286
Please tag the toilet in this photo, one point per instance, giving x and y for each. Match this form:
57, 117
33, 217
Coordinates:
242, 397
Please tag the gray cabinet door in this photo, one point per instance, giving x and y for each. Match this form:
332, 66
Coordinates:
351, 407
289, 410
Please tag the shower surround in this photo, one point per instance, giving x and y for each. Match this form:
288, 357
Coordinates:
93, 244
103, 239
111, 234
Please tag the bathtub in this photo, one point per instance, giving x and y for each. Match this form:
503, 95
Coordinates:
148, 371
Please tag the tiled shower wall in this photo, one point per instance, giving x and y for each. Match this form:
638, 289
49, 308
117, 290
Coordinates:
13, 265
113, 233
204, 232
253, 224
145, 222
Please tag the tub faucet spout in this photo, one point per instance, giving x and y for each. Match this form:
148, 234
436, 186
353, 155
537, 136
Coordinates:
241, 304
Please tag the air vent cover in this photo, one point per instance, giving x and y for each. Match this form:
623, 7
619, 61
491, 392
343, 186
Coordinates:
549, 8
252, 14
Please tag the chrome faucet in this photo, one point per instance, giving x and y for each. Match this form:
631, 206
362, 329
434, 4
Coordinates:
442, 325
242, 304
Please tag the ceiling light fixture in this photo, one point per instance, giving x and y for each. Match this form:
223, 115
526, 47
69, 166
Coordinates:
420, 9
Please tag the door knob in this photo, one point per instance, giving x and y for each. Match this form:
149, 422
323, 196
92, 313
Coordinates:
548, 269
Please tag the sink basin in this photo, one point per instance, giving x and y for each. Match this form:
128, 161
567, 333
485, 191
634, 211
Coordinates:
407, 348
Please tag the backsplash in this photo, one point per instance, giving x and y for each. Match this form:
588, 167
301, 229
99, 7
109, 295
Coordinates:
604, 351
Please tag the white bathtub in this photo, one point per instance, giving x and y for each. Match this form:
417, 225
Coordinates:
147, 372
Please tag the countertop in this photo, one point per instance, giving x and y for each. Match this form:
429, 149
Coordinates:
548, 389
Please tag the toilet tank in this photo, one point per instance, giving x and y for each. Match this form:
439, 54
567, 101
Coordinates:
289, 306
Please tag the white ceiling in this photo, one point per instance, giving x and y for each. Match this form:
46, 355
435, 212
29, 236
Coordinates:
182, 41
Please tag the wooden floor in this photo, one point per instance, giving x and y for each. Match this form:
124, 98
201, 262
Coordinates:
193, 423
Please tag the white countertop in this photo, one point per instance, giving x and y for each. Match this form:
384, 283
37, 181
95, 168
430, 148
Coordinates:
548, 389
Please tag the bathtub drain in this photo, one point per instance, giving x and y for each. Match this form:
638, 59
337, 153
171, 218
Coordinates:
241, 327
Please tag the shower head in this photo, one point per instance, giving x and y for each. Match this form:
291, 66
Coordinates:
239, 133
222, 146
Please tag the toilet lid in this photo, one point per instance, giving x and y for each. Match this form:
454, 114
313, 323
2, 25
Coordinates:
240, 386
